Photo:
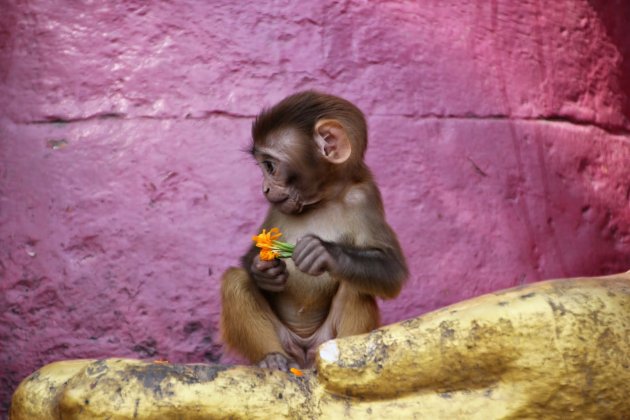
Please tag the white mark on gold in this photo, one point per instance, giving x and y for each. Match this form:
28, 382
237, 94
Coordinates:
329, 352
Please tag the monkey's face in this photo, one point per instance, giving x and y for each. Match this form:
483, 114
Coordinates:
293, 174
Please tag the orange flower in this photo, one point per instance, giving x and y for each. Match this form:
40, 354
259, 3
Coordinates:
270, 247
267, 254
265, 239
296, 372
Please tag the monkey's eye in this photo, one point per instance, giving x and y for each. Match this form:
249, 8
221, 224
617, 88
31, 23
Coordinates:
269, 166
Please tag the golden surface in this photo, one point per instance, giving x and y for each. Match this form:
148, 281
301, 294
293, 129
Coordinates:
555, 349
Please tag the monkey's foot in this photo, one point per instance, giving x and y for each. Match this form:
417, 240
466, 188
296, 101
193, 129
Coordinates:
278, 361
555, 349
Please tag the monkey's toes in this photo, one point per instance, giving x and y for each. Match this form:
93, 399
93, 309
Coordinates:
277, 361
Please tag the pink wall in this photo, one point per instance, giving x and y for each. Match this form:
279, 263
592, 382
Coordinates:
500, 136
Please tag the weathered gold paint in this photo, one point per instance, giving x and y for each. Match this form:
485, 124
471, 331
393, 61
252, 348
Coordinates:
555, 349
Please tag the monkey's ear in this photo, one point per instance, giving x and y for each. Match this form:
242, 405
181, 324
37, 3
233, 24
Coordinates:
332, 140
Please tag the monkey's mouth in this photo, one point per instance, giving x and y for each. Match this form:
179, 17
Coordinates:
286, 204
278, 201
299, 206
289, 206
293, 203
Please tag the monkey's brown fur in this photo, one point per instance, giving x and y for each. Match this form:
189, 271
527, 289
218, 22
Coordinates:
310, 147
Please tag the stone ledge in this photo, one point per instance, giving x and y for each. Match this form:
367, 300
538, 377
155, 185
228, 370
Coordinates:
554, 349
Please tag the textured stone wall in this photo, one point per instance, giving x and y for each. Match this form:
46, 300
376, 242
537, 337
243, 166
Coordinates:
500, 137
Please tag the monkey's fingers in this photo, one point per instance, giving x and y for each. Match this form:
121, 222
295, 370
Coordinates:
305, 246
308, 253
315, 263
261, 265
273, 271
272, 284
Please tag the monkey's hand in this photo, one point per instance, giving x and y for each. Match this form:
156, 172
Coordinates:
312, 256
269, 275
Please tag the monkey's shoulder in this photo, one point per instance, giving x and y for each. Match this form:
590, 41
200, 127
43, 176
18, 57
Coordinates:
364, 196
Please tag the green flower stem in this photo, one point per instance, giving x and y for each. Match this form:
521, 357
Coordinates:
284, 249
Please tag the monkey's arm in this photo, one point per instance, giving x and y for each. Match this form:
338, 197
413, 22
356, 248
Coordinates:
378, 271
368, 255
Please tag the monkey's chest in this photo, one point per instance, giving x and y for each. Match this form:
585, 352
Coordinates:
330, 224
306, 300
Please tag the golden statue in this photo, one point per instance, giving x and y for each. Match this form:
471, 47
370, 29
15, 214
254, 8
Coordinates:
554, 349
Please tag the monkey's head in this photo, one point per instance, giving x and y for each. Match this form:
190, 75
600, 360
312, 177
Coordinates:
309, 146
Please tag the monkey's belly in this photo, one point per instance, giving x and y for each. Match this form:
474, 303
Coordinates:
305, 303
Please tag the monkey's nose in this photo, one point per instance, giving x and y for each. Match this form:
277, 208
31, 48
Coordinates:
265, 190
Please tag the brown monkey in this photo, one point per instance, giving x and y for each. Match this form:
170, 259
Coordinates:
310, 147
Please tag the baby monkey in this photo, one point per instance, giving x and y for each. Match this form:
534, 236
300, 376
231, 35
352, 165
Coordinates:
311, 147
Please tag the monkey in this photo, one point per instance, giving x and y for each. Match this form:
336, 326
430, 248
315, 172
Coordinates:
322, 196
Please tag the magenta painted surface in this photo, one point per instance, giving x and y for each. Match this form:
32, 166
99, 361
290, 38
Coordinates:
499, 137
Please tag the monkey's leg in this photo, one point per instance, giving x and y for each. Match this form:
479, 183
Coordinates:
250, 327
353, 312
247, 321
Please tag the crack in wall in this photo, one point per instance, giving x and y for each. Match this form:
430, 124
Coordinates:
608, 128
119, 116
